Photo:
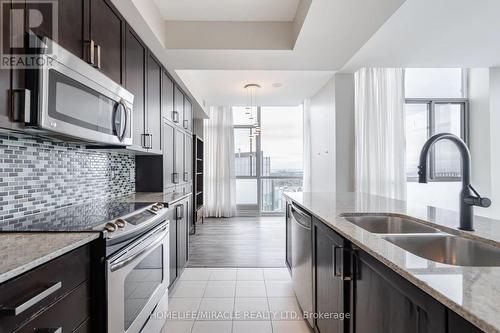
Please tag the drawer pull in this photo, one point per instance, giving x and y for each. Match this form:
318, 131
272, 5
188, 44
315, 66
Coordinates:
14, 311
49, 330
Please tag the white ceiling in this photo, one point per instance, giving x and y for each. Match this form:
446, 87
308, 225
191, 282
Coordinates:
430, 33
228, 10
332, 32
219, 87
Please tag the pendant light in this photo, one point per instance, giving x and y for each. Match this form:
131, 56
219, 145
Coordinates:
251, 89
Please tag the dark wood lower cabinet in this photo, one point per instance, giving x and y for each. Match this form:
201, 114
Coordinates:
348, 280
179, 236
62, 293
331, 278
457, 324
68, 313
383, 301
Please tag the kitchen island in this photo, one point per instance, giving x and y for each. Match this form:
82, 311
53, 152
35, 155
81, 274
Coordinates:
468, 292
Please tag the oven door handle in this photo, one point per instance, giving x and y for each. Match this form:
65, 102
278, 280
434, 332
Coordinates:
124, 262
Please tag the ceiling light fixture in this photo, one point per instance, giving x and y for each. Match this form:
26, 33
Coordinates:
251, 89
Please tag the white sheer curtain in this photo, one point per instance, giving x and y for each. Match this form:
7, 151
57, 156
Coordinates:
219, 176
306, 183
380, 132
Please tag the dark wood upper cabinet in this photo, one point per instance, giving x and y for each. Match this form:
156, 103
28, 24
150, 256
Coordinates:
135, 82
5, 121
153, 110
188, 115
178, 114
107, 31
71, 26
167, 98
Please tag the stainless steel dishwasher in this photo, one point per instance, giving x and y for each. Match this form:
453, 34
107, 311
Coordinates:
302, 258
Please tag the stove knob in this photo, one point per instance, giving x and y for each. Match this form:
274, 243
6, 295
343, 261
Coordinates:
154, 208
110, 226
120, 223
159, 205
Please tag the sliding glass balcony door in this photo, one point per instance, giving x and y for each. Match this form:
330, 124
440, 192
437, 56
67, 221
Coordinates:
268, 157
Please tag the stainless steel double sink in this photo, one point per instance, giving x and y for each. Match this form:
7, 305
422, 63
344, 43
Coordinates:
428, 242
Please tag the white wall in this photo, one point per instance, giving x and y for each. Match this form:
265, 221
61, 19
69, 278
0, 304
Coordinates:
494, 140
322, 119
332, 136
344, 132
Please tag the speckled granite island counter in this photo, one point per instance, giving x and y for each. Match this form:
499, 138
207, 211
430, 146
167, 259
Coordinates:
21, 252
471, 292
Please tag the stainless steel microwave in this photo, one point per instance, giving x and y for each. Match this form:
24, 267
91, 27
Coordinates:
68, 98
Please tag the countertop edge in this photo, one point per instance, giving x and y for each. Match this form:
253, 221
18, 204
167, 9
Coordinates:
13, 273
446, 301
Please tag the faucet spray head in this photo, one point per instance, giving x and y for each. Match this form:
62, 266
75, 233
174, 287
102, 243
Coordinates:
422, 174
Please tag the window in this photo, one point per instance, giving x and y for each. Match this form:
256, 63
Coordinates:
443, 110
268, 156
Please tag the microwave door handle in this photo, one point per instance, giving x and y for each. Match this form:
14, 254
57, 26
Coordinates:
128, 259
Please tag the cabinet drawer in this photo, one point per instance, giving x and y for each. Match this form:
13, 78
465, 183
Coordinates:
28, 294
68, 313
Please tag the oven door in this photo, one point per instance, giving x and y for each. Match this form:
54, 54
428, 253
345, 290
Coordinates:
137, 278
76, 100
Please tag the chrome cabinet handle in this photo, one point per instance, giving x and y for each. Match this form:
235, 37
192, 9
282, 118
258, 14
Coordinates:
49, 330
16, 310
98, 52
147, 141
175, 116
91, 52
21, 97
179, 212
175, 178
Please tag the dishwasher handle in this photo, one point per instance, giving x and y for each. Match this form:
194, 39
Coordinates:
300, 217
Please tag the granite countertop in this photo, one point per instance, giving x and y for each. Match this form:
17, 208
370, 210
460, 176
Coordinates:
472, 292
166, 198
21, 252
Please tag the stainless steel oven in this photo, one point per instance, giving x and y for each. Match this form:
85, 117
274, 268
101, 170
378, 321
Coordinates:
137, 280
67, 97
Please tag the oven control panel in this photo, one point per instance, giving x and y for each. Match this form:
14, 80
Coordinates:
135, 220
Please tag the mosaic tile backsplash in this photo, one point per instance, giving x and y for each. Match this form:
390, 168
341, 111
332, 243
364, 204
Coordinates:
38, 174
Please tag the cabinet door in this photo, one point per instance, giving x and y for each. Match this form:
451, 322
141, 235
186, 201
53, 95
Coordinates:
153, 110
330, 271
168, 154
188, 115
5, 93
135, 72
181, 236
172, 231
178, 114
71, 24
179, 156
188, 157
167, 101
106, 30
457, 324
385, 302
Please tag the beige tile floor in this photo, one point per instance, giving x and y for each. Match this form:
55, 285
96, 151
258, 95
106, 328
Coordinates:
234, 300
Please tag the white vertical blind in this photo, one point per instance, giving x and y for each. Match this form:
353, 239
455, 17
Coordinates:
380, 132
